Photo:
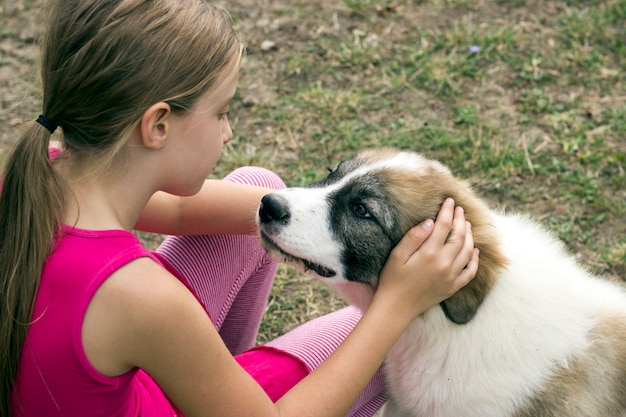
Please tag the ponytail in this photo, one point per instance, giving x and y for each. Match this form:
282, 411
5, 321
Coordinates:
31, 204
103, 64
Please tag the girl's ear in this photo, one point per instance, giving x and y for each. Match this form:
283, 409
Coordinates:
155, 125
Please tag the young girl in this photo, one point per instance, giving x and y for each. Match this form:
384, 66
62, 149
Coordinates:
93, 324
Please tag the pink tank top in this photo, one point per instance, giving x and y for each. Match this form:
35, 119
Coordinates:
55, 377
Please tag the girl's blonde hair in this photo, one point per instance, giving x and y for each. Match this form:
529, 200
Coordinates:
104, 63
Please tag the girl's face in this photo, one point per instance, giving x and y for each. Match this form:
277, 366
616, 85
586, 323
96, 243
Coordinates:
199, 137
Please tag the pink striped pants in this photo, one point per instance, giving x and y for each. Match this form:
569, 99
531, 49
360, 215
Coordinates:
232, 277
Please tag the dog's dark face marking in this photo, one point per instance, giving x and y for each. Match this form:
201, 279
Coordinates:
344, 226
358, 222
362, 220
365, 226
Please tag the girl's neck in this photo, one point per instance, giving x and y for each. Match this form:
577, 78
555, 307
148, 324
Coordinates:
102, 203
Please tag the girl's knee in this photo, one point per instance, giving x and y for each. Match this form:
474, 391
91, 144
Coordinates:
257, 176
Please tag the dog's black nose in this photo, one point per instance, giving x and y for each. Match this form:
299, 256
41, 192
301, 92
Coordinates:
273, 208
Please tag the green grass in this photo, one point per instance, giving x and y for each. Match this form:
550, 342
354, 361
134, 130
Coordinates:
536, 120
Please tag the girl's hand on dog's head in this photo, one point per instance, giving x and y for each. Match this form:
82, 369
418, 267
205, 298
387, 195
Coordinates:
430, 263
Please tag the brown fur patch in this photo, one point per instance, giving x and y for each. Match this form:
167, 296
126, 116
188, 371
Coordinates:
418, 195
593, 384
590, 385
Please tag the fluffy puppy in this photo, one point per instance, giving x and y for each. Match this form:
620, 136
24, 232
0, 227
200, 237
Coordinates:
534, 334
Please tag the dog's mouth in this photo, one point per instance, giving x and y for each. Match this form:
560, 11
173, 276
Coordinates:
320, 270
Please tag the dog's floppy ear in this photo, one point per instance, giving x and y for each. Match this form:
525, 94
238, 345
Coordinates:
420, 193
462, 306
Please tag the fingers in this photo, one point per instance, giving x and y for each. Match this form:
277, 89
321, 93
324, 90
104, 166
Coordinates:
468, 272
412, 240
451, 228
466, 249
444, 222
433, 260
465, 263
451, 237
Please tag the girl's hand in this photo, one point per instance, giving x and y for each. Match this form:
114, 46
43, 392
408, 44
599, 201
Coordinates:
430, 263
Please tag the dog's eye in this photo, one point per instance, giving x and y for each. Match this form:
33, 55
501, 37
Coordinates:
361, 210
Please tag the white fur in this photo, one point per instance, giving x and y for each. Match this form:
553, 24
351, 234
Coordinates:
308, 235
543, 303
536, 317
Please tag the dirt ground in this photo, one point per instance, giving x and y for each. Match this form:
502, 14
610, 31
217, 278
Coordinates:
271, 35
18, 53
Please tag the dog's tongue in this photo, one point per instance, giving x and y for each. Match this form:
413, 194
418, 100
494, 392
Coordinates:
319, 269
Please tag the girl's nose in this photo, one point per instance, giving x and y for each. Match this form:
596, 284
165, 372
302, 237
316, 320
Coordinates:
228, 132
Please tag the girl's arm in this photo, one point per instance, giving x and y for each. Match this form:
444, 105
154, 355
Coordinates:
220, 207
157, 325
421, 271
